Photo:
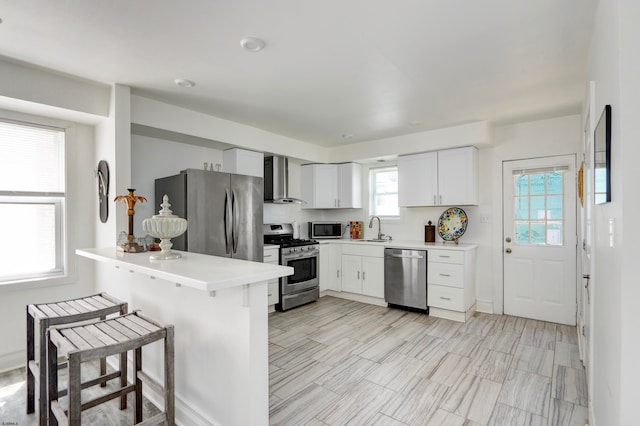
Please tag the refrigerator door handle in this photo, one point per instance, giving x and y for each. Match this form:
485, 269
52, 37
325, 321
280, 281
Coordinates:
234, 222
226, 223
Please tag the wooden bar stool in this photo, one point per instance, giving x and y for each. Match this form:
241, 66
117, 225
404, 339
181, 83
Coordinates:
113, 336
95, 307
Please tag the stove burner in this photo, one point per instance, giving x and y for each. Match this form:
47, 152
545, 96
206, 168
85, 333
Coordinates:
288, 241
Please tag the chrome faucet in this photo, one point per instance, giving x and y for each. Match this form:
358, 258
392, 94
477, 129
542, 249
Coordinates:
380, 234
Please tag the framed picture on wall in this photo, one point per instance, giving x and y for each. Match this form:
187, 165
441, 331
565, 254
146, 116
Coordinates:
602, 158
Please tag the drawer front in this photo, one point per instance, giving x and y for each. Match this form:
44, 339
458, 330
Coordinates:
446, 274
272, 293
445, 297
363, 249
446, 256
271, 256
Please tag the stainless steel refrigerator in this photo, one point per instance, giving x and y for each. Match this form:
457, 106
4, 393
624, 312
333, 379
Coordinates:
223, 210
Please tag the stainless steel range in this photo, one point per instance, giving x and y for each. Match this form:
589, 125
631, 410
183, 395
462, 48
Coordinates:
302, 255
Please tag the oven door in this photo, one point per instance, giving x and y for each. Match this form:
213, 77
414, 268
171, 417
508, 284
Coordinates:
305, 272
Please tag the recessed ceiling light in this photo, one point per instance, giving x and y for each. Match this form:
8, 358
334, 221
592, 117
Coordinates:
347, 136
252, 44
183, 82
415, 123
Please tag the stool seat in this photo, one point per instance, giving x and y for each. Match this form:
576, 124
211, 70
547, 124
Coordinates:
94, 307
75, 310
82, 343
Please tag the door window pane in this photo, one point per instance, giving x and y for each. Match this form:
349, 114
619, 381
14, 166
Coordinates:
554, 207
522, 208
522, 233
537, 233
522, 185
554, 183
537, 184
538, 207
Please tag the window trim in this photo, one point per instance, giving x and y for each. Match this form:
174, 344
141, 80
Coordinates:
372, 192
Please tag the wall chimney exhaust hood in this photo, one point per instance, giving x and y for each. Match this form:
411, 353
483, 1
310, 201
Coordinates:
276, 181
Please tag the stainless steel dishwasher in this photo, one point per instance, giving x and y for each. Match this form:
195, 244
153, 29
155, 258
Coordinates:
405, 278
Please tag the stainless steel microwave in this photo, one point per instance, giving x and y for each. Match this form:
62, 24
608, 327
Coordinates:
318, 230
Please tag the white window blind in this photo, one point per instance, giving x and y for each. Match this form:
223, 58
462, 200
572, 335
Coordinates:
32, 195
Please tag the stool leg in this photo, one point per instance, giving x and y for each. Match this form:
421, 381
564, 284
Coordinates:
103, 362
75, 404
137, 366
52, 369
31, 356
123, 367
169, 379
42, 403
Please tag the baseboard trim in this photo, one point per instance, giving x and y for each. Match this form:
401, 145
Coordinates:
452, 315
357, 297
484, 306
12, 360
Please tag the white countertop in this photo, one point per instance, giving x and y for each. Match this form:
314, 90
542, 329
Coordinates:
200, 271
408, 244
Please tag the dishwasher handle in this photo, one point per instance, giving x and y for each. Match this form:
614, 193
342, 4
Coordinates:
404, 256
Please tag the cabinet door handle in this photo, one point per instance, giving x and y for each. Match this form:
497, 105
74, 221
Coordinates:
337, 273
362, 276
445, 275
440, 199
434, 199
358, 274
444, 257
445, 298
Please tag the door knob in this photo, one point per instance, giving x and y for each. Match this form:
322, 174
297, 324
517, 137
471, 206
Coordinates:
508, 239
508, 250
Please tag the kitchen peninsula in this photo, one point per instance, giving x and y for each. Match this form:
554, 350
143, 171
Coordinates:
219, 309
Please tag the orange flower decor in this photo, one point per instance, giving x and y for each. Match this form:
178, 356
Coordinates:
131, 201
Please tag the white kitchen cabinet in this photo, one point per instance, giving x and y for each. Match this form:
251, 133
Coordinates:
363, 270
439, 178
418, 179
330, 267
331, 186
451, 283
272, 255
373, 276
243, 162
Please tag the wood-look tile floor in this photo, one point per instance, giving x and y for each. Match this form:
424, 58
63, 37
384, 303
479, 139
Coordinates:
338, 362
13, 401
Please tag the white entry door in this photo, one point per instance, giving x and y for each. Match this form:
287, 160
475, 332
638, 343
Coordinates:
539, 245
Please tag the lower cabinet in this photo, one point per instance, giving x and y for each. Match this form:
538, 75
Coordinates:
330, 267
363, 270
272, 255
451, 283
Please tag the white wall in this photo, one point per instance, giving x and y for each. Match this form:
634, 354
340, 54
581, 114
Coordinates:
615, 67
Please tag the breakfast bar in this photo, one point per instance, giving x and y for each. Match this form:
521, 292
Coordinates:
219, 309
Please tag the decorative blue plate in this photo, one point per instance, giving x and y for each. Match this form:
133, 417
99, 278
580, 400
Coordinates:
452, 224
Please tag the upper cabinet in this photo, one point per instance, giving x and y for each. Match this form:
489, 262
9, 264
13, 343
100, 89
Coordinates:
243, 162
331, 186
441, 178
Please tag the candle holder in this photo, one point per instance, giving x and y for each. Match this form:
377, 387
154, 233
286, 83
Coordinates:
131, 245
165, 226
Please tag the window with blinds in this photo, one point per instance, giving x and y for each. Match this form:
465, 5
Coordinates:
538, 206
32, 196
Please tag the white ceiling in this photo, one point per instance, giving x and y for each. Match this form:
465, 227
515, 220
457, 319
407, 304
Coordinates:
361, 67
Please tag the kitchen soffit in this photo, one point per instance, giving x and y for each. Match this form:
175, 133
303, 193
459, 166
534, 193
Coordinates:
331, 68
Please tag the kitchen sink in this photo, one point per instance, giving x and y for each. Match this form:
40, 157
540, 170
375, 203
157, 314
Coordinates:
373, 241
